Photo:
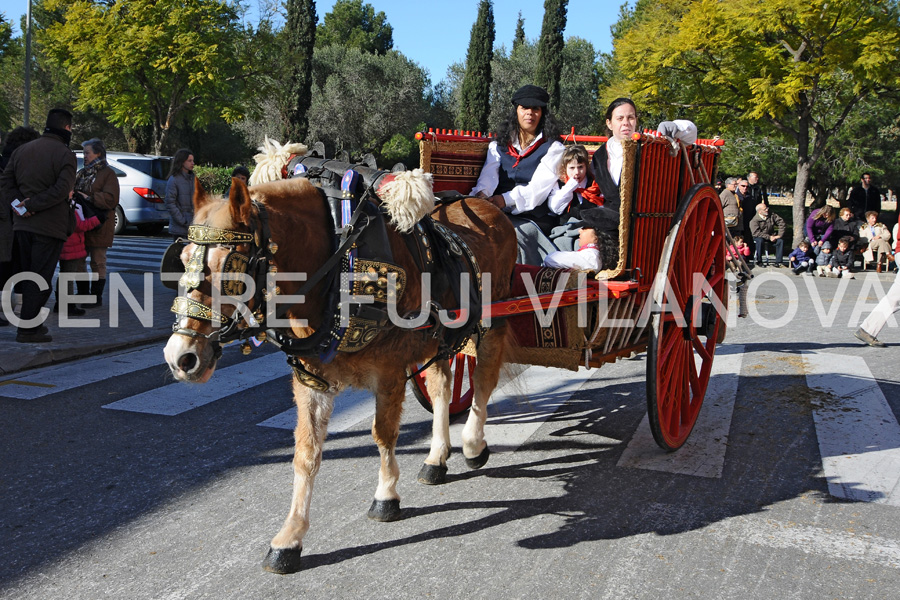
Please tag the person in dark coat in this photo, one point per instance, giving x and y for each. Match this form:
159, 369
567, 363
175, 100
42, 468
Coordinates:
97, 184
16, 138
40, 174
864, 197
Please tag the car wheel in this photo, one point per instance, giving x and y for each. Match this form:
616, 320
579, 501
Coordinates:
120, 221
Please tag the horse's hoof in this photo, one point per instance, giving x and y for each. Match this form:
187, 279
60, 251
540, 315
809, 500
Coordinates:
480, 460
432, 474
282, 560
384, 510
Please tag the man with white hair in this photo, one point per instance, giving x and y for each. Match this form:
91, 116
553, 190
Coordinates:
766, 228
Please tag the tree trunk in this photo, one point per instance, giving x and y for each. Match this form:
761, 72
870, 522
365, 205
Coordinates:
799, 212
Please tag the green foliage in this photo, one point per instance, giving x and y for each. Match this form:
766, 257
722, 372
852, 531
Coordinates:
361, 100
798, 67
214, 179
5, 35
300, 39
150, 61
400, 148
352, 24
475, 100
550, 49
519, 37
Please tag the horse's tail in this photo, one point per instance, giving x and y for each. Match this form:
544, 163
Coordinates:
409, 198
272, 160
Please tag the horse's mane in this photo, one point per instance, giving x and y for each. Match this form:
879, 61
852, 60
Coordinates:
273, 158
408, 196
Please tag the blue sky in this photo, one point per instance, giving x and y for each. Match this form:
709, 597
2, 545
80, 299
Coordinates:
435, 34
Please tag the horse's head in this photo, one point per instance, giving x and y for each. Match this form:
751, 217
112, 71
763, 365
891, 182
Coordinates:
223, 242
232, 273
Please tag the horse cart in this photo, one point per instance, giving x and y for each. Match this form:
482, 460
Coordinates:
363, 243
667, 295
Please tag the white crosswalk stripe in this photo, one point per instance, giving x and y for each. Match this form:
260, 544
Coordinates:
859, 437
703, 454
136, 254
177, 398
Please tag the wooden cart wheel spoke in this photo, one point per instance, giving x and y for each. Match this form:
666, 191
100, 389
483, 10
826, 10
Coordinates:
681, 357
462, 370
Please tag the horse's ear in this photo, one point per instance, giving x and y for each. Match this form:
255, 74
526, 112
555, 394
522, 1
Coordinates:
239, 201
200, 197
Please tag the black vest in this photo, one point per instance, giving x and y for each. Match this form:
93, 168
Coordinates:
611, 200
521, 174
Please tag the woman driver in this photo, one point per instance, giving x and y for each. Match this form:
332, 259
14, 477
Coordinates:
521, 170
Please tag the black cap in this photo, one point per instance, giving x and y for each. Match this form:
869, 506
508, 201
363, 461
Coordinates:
598, 219
531, 95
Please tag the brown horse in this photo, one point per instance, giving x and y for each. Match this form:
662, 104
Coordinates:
301, 226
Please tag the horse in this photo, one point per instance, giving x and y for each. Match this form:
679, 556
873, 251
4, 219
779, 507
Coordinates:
288, 222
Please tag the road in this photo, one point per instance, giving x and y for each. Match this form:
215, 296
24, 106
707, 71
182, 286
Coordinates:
119, 483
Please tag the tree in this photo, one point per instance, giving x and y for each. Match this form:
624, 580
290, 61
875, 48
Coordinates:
519, 37
475, 101
801, 66
550, 49
361, 101
148, 62
353, 24
300, 39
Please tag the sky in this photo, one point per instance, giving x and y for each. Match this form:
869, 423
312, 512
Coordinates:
435, 33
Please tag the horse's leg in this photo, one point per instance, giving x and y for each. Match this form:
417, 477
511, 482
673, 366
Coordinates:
485, 378
313, 411
385, 430
437, 378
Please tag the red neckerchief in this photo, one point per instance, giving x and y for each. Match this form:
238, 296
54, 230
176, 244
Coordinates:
511, 150
592, 194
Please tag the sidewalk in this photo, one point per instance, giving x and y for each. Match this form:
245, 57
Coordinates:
78, 337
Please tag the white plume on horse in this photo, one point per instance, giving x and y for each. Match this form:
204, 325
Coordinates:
273, 157
409, 198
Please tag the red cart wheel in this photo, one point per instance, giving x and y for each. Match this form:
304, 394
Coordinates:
462, 367
688, 316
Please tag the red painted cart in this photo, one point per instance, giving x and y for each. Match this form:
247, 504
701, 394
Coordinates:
667, 295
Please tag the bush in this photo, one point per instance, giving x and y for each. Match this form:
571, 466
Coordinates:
214, 179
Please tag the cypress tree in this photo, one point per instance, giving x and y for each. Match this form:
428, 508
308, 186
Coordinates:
550, 49
519, 38
475, 98
299, 40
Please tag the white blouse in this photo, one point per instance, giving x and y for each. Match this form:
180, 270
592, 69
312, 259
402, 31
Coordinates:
521, 198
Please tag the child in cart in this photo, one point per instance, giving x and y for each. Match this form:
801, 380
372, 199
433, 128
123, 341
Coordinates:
594, 252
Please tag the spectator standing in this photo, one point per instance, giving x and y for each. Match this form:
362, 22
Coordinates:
864, 197
756, 190
41, 174
767, 228
180, 193
874, 323
731, 207
240, 172
748, 207
802, 259
98, 185
819, 226
16, 137
71, 259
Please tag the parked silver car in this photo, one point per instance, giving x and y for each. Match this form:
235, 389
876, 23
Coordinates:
142, 189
